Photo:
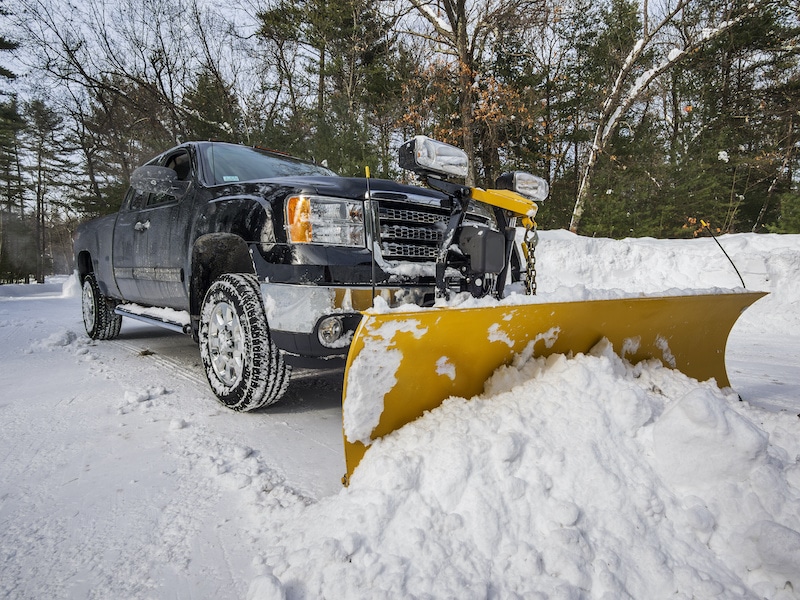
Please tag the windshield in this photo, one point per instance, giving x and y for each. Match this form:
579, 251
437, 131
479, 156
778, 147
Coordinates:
229, 163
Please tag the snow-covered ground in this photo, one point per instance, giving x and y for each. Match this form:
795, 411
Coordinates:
121, 477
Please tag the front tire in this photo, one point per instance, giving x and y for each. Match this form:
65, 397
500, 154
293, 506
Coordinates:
99, 318
244, 368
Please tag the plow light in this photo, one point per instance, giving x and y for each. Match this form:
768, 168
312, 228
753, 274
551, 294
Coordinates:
425, 156
525, 184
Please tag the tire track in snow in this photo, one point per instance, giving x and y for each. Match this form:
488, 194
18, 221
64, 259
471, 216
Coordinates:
307, 417
172, 366
301, 378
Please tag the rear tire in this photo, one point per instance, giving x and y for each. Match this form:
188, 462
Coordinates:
99, 318
245, 369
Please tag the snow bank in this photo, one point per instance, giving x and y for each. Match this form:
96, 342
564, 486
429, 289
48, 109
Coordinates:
567, 478
570, 264
572, 477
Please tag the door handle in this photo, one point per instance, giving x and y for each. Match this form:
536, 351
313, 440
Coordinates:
142, 226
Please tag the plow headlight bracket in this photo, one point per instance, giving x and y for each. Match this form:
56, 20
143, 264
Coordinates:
525, 184
426, 156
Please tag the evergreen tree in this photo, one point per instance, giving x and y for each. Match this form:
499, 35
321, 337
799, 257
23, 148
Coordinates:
11, 186
343, 51
552, 69
12, 265
45, 146
213, 110
6, 45
359, 70
733, 148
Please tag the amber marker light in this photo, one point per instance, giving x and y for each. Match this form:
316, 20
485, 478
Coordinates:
298, 219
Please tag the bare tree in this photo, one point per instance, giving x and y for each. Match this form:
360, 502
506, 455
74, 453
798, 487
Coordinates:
463, 30
142, 55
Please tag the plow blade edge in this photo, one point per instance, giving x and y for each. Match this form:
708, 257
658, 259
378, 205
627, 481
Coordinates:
402, 364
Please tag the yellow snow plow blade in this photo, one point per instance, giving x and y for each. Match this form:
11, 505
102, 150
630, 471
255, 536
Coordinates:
402, 364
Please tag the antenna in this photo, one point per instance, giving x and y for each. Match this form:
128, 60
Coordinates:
708, 227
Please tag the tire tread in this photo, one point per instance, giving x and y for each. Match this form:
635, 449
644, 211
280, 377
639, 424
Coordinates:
266, 376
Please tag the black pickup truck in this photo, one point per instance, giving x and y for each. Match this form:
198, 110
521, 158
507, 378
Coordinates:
266, 260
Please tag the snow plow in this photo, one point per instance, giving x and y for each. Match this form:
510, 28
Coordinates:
405, 361
402, 364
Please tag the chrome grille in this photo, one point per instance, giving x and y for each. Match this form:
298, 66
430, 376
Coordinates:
412, 228
412, 216
411, 231
408, 251
401, 232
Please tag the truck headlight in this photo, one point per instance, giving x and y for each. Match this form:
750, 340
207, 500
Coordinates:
323, 220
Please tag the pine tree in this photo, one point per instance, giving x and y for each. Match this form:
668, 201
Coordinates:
734, 145
12, 264
44, 144
213, 110
335, 54
627, 87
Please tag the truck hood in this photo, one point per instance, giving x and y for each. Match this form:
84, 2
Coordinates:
340, 187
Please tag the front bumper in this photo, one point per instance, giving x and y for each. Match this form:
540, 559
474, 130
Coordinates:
297, 313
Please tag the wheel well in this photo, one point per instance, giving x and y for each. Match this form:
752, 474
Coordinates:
83, 263
212, 255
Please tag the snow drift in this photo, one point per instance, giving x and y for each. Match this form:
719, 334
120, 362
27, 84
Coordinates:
567, 478
572, 477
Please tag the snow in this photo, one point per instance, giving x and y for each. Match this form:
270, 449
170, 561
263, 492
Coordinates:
371, 377
569, 477
446, 368
433, 15
168, 315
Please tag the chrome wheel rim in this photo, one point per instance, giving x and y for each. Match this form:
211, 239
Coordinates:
89, 310
226, 343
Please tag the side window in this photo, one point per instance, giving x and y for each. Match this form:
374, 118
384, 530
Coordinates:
134, 199
182, 165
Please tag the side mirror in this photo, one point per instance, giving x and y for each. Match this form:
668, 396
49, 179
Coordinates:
158, 180
426, 156
525, 184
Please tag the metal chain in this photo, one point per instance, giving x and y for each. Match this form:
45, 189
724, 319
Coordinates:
529, 248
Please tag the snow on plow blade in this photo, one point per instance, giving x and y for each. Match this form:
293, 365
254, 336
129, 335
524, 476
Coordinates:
402, 364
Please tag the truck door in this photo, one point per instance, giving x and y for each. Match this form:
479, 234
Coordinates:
161, 244
129, 234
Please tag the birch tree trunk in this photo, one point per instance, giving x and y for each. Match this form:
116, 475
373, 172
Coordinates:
624, 92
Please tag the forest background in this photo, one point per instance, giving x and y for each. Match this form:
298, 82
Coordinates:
647, 117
